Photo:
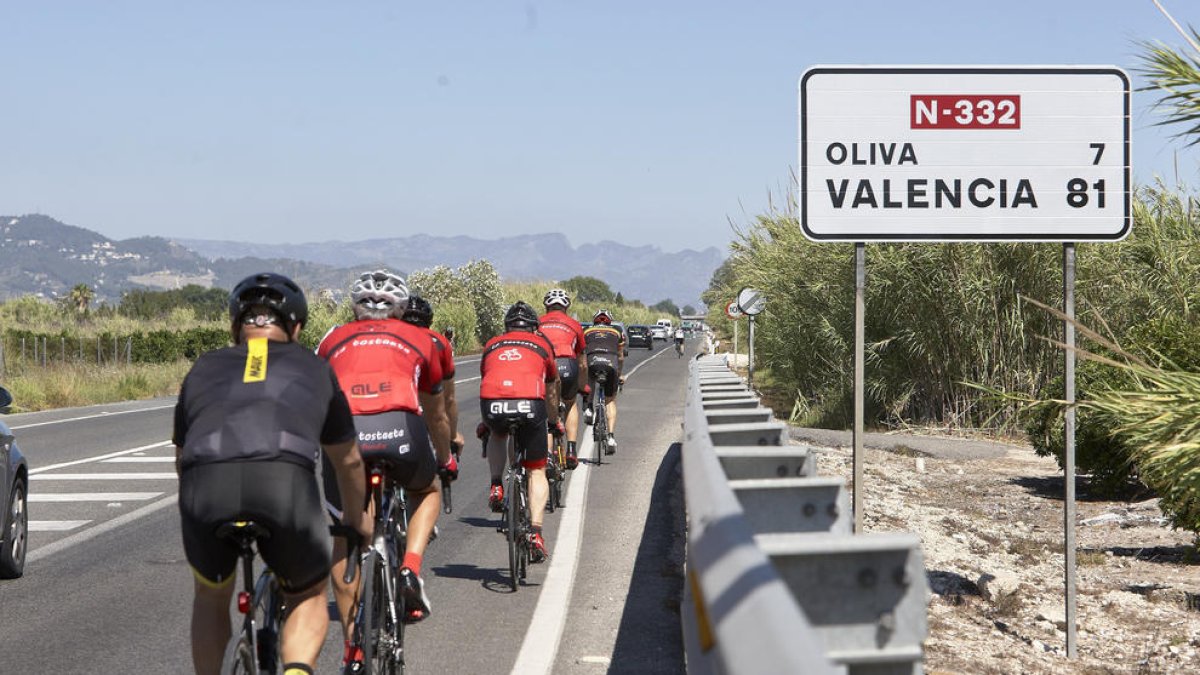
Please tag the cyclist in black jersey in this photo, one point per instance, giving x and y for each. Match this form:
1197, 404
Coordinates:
605, 350
249, 425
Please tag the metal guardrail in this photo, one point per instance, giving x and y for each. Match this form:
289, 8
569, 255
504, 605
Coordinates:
776, 581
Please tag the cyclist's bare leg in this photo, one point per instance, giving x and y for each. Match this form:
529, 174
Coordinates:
539, 490
572, 420
422, 516
496, 454
210, 625
610, 410
307, 622
343, 593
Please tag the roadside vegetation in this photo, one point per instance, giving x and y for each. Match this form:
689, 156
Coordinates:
71, 352
949, 326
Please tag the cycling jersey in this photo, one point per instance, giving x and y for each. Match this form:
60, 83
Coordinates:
517, 364
261, 400
445, 354
564, 333
383, 364
602, 339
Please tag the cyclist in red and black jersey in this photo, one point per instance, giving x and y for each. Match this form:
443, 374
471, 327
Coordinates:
250, 422
419, 312
605, 349
520, 383
393, 380
566, 336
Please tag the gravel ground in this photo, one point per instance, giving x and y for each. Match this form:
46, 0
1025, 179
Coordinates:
990, 517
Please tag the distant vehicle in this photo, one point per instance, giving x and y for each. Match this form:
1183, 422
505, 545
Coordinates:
14, 496
639, 336
666, 324
658, 332
621, 327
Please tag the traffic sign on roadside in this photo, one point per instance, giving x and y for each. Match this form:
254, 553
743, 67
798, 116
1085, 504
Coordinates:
751, 301
964, 153
732, 310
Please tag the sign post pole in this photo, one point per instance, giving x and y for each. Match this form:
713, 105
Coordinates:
735, 342
1069, 446
860, 346
750, 354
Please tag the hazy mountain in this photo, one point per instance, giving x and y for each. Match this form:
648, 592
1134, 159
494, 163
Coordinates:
643, 272
40, 255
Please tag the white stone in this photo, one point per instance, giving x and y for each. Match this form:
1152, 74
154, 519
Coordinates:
996, 583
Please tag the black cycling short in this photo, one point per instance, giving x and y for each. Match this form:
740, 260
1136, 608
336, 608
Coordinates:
568, 377
399, 440
282, 496
530, 415
601, 362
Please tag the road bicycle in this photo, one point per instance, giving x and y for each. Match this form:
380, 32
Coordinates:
678, 350
556, 472
599, 418
254, 650
379, 612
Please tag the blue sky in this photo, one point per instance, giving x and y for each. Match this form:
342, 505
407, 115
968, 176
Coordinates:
643, 122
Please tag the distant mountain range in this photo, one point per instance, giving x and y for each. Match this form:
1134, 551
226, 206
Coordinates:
42, 256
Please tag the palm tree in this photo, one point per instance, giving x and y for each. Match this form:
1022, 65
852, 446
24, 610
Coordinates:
1176, 75
80, 297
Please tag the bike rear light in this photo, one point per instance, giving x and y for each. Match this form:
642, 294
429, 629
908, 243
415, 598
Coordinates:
376, 479
244, 602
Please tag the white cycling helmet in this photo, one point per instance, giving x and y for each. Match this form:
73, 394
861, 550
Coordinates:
557, 296
380, 289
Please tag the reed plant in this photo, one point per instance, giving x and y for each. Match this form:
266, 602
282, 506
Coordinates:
70, 385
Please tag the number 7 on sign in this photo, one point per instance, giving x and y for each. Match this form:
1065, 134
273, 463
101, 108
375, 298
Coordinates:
1099, 148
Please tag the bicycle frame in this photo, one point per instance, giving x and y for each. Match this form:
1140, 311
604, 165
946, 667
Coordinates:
373, 618
254, 644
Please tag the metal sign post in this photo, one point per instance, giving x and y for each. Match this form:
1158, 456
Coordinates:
751, 302
860, 348
734, 313
1069, 448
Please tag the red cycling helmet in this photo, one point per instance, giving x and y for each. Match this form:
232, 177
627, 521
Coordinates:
603, 316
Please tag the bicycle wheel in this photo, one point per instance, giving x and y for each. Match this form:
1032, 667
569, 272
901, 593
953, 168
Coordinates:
526, 526
512, 515
600, 427
239, 657
271, 610
378, 627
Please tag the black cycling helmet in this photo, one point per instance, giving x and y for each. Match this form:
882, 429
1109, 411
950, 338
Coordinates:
274, 291
520, 317
418, 312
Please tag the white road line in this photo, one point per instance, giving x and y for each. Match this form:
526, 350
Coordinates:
106, 476
91, 417
137, 460
106, 526
539, 649
91, 496
42, 469
469, 379
635, 368
56, 525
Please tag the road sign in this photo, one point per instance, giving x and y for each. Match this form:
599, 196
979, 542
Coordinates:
732, 310
751, 301
938, 153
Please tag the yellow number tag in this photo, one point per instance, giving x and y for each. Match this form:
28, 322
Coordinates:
256, 360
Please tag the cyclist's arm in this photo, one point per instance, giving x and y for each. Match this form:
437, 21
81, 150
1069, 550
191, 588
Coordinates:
352, 483
451, 409
433, 408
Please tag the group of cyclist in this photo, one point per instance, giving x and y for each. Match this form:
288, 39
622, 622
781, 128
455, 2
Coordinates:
253, 420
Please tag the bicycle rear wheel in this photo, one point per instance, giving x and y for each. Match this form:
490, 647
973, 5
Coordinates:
239, 657
512, 516
600, 427
378, 630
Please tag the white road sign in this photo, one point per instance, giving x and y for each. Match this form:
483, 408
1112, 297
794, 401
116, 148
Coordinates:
937, 153
751, 301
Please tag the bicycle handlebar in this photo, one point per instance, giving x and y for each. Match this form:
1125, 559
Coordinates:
353, 542
447, 501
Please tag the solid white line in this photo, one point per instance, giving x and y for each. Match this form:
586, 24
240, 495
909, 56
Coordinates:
468, 379
91, 532
91, 496
539, 649
137, 460
106, 476
98, 458
91, 417
635, 368
55, 525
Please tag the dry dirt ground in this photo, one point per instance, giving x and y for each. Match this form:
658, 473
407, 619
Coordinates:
992, 532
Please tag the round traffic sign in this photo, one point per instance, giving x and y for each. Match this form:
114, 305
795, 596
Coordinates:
732, 310
751, 301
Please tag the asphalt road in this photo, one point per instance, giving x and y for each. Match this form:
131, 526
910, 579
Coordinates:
107, 589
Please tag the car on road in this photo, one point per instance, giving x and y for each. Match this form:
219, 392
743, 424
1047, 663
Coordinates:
639, 336
658, 332
14, 496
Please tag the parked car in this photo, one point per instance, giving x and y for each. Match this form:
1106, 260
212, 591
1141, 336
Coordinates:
14, 495
639, 336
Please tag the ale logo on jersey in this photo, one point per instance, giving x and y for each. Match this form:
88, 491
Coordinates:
511, 408
513, 354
